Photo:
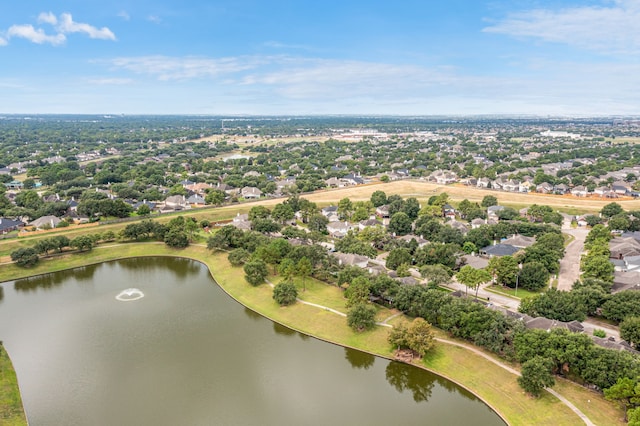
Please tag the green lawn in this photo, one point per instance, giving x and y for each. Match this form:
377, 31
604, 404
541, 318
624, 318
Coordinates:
11, 411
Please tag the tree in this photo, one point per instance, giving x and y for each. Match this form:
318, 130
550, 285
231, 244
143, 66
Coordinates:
215, 197
238, 257
285, 293
258, 212
358, 291
318, 223
488, 201
176, 238
255, 272
143, 210
554, 304
345, 208
473, 278
282, 213
82, 242
630, 331
378, 198
622, 305
435, 275
397, 257
505, 269
420, 336
411, 207
626, 392
400, 224
597, 266
304, 268
611, 209
536, 375
361, 317
533, 276
25, 257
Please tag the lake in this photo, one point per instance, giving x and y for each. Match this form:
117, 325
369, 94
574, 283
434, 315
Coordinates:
176, 350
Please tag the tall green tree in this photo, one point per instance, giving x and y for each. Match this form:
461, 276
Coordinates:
536, 375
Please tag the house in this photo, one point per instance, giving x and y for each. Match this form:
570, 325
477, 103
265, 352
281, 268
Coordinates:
198, 188
383, 211
350, 259
622, 248
443, 177
561, 189
460, 226
329, 211
477, 223
499, 250
45, 222
371, 222
622, 281
483, 183
519, 241
620, 188
352, 179
545, 188
176, 202
8, 225
579, 191
197, 200
511, 185
333, 182
338, 229
250, 192
492, 211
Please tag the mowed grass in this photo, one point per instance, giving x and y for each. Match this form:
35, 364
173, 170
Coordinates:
11, 411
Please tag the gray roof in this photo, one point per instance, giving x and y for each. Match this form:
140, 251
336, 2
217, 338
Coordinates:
499, 250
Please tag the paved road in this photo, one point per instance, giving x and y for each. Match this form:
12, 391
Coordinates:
570, 263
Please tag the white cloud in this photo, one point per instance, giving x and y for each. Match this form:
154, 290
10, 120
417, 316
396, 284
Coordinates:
63, 25
47, 18
34, 35
67, 25
605, 29
124, 15
154, 18
173, 68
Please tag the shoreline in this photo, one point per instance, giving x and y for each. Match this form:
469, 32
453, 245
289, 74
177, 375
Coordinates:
202, 255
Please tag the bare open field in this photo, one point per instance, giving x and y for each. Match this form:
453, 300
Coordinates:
424, 190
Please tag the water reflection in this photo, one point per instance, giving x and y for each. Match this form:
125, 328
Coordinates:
405, 377
180, 267
253, 315
359, 359
282, 330
45, 282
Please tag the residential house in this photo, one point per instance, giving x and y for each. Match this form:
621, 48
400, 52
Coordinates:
371, 222
499, 250
338, 229
45, 222
484, 183
579, 191
622, 248
8, 225
250, 192
545, 188
176, 202
350, 259
519, 241
196, 200
561, 189
383, 211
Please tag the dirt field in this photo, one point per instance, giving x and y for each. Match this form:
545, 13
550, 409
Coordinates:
424, 190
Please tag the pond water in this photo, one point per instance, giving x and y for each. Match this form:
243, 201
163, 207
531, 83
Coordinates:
154, 341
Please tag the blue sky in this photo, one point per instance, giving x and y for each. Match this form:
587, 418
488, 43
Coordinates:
404, 57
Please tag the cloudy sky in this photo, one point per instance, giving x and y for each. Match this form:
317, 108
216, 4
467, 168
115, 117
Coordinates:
403, 57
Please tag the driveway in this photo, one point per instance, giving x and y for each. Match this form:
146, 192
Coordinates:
570, 263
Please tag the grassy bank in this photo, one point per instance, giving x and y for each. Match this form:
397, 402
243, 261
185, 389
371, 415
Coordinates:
492, 383
11, 412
